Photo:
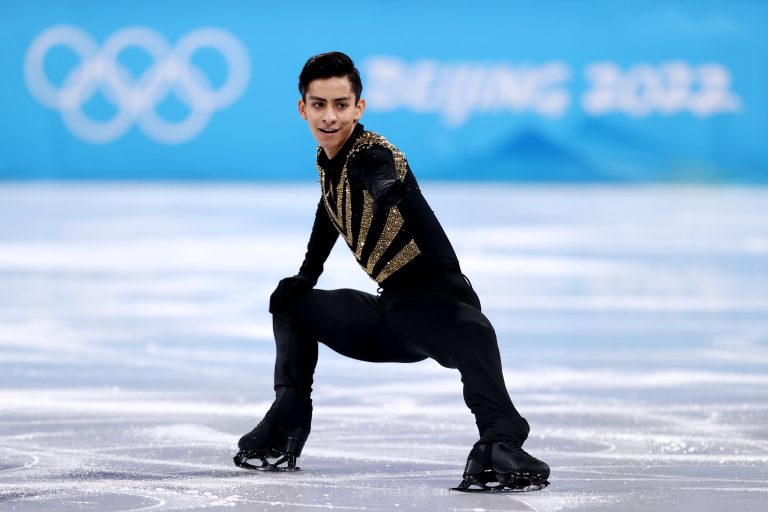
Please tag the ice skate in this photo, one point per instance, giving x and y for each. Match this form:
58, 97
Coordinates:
478, 473
502, 467
267, 441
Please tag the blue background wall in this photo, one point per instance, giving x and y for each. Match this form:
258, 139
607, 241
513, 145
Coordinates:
544, 91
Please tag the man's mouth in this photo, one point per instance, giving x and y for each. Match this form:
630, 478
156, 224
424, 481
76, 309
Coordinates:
325, 130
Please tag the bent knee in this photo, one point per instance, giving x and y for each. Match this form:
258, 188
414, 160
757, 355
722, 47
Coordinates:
300, 302
473, 333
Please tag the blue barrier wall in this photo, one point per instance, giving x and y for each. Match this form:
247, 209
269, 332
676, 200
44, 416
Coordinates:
544, 91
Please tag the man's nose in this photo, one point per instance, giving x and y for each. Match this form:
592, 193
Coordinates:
329, 116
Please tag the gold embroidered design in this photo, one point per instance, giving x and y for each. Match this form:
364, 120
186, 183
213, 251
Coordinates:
348, 214
365, 224
340, 196
405, 255
336, 214
390, 231
341, 212
370, 139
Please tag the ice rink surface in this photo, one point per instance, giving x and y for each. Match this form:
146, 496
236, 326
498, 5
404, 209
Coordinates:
135, 349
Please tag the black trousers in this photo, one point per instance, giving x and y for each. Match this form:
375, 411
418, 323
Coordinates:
439, 318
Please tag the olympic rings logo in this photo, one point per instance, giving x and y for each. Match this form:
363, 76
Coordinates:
136, 98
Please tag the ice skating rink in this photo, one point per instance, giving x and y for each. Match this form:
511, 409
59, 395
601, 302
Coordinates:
135, 348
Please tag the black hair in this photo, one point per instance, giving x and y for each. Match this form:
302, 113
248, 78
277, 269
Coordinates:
329, 65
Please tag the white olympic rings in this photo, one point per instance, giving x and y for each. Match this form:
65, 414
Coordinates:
135, 99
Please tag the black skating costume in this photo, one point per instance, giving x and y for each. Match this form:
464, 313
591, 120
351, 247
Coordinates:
426, 307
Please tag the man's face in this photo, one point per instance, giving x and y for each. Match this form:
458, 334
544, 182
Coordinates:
331, 112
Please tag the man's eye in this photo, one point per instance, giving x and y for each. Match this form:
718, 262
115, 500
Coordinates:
317, 104
342, 105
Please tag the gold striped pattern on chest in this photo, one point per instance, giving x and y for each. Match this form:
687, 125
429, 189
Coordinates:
350, 208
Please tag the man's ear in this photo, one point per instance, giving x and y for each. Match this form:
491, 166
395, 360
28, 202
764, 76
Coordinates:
360, 107
303, 110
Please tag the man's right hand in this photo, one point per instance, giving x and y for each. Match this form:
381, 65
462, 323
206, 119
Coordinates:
286, 289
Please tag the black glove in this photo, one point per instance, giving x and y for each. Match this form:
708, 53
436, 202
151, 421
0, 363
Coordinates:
287, 288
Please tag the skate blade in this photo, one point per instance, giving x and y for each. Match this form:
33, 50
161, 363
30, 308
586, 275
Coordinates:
501, 488
242, 458
523, 481
515, 482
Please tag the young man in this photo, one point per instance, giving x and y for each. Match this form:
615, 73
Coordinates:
426, 308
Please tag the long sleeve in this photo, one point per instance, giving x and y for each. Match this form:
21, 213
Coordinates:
321, 241
375, 167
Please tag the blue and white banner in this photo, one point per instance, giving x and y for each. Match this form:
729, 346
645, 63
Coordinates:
552, 91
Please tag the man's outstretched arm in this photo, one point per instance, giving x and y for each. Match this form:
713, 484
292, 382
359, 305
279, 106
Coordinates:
321, 241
